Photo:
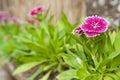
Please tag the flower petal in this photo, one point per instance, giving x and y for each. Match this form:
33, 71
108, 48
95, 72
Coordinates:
40, 9
33, 12
36, 10
78, 31
91, 34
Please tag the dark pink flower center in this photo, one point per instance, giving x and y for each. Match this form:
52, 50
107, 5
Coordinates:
39, 9
33, 12
95, 25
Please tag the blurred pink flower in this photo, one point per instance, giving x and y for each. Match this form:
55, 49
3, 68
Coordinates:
36, 11
31, 21
15, 20
6, 38
4, 16
40, 9
78, 31
33, 12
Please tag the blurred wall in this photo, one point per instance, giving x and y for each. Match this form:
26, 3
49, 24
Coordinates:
74, 9
106, 8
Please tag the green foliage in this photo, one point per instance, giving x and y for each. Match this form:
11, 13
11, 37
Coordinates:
7, 41
100, 56
44, 44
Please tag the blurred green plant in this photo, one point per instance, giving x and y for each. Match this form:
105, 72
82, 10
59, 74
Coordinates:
44, 45
96, 58
7, 41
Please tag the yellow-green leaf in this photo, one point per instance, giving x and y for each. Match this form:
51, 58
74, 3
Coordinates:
25, 67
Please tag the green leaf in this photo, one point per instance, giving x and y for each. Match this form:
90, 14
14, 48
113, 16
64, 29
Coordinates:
114, 54
68, 26
82, 73
94, 76
42, 68
71, 60
38, 71
80, 52
46, 76
109, 58
108, 44
117, 72
112, 36
117, 41
51, 19
49, 66
67, 75
31, 58
65, 20
25, 67
47, 12
35, 46
108, 78
116, 28
81, 42
75, 25
61, 25
115, 62
111, 76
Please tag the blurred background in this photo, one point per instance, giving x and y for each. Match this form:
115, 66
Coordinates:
75, 10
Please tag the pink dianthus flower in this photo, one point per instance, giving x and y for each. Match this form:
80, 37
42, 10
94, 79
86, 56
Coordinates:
4, 16
36, 11
93, 26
